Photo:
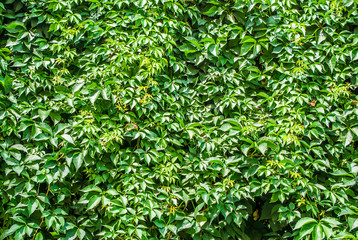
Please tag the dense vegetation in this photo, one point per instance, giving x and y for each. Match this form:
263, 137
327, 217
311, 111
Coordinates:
178, 119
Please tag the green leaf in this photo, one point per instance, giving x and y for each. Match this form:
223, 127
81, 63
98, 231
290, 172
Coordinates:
159, 223
139, 233
262, 147
81, 233
341, 172
32, 206
248, 39
253, 170
39, 236
328, 231
352, 223
277, 49
345, 235
321, 37
71, 234
201, 220
15, 27
304, 221
93, 202
7, 84
211, 12
331, 221
214, 49
112, 192
306, 229
245, 148
44, 114
317, 233
274, 20
92, 188
348, 138
246, 47
19, 147
355, 130
10, 231
225, 127
94, 96
194, 41
77, 160
68, 138
55, 117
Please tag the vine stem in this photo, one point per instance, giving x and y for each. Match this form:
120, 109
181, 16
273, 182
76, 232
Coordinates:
42, 220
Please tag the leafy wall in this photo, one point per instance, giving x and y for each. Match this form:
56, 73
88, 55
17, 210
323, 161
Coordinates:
178, 119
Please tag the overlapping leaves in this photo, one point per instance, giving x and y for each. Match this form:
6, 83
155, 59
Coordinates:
161, 119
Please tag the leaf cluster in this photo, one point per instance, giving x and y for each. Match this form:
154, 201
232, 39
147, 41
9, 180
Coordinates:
178, 119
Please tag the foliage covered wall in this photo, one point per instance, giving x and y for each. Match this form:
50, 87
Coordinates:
178, 119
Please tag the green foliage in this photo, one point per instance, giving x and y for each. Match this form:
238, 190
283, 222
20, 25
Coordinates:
178, 119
